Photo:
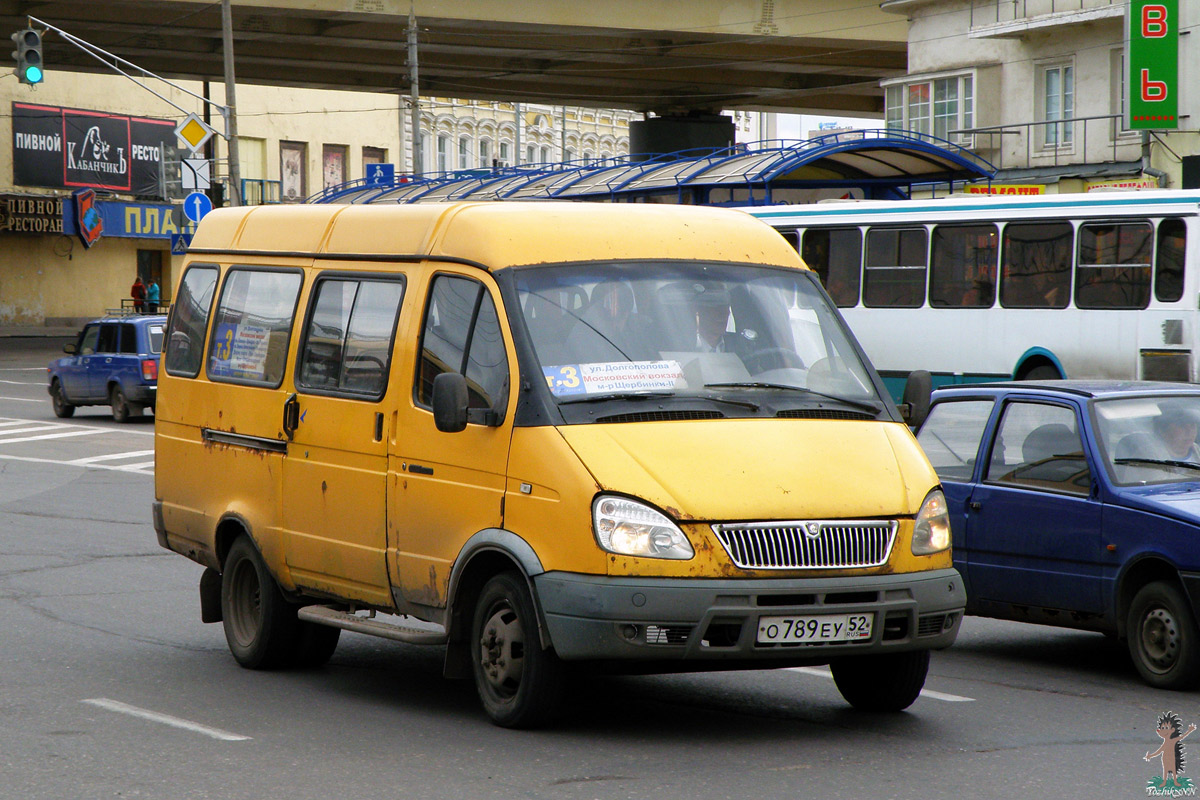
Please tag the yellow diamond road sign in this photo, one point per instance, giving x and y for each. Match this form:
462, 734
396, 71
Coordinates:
193, 132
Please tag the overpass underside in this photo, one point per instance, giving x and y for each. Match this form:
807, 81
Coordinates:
665, 56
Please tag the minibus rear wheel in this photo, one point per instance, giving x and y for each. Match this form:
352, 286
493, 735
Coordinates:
888, 682
519, 683
260, 625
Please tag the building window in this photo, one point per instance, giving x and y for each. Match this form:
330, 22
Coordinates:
504, 158
936, 106
530, 154
443, 154
485, 153
464, 153
1118, 89
1057, 86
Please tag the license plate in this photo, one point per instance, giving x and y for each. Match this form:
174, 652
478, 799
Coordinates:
814, 630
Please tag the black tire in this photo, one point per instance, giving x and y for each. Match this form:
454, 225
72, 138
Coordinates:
519, 683
260, 625
889, 682
1042, 373
122, 409
1162, 636
59, 401
313, 645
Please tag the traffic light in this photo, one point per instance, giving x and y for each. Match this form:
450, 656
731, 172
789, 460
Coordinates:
28, 56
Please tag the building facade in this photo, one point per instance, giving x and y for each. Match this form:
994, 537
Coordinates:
92, 187
1039, 89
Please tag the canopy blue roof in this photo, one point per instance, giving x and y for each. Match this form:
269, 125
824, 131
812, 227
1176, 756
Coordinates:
883, 163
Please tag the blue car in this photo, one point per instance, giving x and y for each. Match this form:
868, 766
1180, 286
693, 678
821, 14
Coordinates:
114, 362
1077, 503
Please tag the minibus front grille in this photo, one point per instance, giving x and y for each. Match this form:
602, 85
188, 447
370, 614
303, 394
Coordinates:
661, 416
808, 544
824, 413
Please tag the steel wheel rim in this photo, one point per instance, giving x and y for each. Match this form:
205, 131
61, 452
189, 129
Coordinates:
1159, 639
502, 651
245, 603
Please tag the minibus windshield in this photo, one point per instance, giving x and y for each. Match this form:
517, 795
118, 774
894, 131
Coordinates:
688, 329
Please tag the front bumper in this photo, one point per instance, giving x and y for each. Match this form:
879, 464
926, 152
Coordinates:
590, 617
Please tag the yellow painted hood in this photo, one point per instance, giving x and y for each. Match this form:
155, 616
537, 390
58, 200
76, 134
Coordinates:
757, 469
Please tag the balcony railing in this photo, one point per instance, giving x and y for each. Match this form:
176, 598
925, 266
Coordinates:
1077, 140
999, 12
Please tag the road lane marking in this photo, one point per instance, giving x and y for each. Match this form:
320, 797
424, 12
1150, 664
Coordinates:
932, 695
112, 457
24, 399
63, 463
24, 383
165, 719
139, 467
61, 435
34, 429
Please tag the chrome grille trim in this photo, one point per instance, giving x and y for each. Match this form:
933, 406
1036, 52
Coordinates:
787, 545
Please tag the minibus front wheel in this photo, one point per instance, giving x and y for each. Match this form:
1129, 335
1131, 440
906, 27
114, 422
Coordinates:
886, 682
519, 682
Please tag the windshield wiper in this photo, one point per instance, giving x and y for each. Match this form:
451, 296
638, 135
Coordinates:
874, 409
596, 398
1165, 462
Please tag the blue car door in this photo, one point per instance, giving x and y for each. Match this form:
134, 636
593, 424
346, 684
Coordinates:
1033, 525
951, 437
100, 364
72, 372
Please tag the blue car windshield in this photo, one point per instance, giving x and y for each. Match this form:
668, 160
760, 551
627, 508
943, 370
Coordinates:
680, 328
1150, 440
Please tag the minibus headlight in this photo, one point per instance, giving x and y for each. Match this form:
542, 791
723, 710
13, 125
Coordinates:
629, 528
931, 531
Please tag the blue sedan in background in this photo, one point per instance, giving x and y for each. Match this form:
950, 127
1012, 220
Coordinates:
1077, 503
114, 362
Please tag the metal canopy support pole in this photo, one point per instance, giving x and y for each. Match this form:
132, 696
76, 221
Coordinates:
230, 114
415, 102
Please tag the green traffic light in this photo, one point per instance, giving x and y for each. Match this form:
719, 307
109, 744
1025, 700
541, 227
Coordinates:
33, 74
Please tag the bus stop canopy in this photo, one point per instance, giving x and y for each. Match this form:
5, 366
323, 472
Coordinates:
880, 163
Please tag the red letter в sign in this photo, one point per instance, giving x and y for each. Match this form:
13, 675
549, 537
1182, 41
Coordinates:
1153, 91
1154, 21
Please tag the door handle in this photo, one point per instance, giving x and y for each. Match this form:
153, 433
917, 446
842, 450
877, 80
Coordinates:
291, 415
379, 426
975, 505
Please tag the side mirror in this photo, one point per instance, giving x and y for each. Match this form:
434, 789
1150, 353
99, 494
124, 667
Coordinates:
914, 405
450, 402
70, 349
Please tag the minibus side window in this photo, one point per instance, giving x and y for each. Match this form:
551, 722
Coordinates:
1168, 261
836, 256
253, 326
462, 334
349, 336
189, 321
1114, 265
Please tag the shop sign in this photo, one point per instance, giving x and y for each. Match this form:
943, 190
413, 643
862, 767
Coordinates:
65, 148
21, 213
1153, 64
1007, 188
1128, 183
129, 220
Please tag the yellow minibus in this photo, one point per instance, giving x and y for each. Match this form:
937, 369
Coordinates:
559, 436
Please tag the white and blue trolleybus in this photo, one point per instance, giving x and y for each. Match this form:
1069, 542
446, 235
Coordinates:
976, 287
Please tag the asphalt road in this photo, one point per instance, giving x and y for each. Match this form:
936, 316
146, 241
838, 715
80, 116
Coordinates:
110, 686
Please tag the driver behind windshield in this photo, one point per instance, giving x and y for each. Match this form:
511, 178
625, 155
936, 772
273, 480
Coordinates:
1176, 428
